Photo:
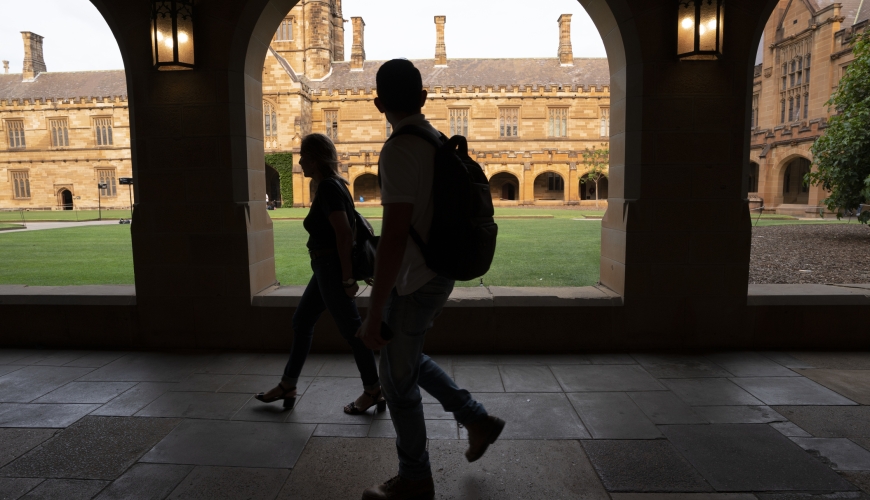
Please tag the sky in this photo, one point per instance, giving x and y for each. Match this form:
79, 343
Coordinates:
77, 38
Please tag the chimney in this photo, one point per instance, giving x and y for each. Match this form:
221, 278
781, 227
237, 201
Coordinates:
357, 51
440, 48
34, 64
566, 55
6, 66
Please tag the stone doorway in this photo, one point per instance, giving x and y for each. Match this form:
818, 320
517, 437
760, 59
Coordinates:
65, 199
794, 190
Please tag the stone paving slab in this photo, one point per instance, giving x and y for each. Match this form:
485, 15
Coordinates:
478, 378
4, 369
643, 465
51, 357
835, 360
613, 415
528, 378
750, 364
232, 444
789, 429
560, 468
14, 488
255, 384
17, 442
534, 416
853, 384
605, 378
830, 421
86, 392
324, 402
710, 392
682, 496
341, 430
751, 457
94, 448
664, 407
201, 382
11, 356
136, 398
146, 482
230, 363
31, 382
790, 391
273, 364
785, 359
149, 367
739, 414
195, 405
860, 479
50, 416
66, 489
97, 359
838, 453
679, 366
258, 411
230, 483
435, 429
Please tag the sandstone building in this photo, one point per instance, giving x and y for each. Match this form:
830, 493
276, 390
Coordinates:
805, 51
527, 120
61, 135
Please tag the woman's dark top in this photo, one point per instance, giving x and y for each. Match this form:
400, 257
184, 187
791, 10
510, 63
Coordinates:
331, 196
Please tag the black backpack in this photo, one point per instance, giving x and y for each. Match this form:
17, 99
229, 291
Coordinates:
463, 233
364, 242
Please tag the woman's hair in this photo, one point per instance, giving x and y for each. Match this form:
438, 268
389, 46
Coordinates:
320, 149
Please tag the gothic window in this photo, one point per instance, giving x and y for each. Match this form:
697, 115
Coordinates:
59, 129
555, 182
107, 176
605, 122
782, 113
797, 108
285, 31
754, 120
791, 109
558, 122
508, 121
330, 119
15, 133
459, 122
103, 130
806, 106
270, 120
21, 184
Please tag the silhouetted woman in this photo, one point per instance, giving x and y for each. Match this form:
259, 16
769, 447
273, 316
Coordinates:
330, 242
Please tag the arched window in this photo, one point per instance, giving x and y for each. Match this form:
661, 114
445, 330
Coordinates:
270, 125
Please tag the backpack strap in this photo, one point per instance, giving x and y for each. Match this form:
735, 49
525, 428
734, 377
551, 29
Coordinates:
343, 188
436, 143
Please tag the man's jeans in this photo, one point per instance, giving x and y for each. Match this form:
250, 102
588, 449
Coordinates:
325, 291
403, 366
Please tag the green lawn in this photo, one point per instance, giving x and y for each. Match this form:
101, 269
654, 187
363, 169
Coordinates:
557, 251
62, 215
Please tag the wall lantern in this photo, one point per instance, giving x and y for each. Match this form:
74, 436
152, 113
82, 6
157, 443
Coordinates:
699, 29
172, 34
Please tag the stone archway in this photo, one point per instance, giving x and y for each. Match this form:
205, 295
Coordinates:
273, 187
504, 186
366, 189
64, 199
794, 190
588, 189
549, 186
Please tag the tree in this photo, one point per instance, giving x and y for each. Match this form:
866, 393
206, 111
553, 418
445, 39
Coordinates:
283, 163
842, 155
598, 161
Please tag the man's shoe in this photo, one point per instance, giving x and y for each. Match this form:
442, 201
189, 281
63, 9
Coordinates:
399, 488
481, 434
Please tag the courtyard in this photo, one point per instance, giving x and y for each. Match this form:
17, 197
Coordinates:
78, 424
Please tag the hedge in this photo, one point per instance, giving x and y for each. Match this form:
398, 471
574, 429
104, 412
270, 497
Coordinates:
283, 163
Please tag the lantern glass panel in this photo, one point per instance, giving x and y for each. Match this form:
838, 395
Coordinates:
185, 34
164, 41
686, 28
708, 27
721, 25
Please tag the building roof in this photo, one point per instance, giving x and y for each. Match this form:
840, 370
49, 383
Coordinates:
479, 72
64, 85
850, 9
863, 12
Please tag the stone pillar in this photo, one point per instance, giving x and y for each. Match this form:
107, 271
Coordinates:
358, 51
566, 55
440, 48
318, 42
34, 64
337, 33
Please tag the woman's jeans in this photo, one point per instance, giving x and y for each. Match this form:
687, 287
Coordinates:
404, 366
326, 291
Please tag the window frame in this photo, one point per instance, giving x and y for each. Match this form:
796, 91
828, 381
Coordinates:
604, 121
331, 127
111, 190
102, 135
19, 140
511, 113
16, 183
287, 27
557, 114
555, 182
270, 120
53, 132
460, 116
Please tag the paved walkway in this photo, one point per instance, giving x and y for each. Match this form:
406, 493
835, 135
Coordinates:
37, 226
729, 426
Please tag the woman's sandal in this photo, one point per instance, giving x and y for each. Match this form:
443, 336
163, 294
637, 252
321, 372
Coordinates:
376, 398
289, 399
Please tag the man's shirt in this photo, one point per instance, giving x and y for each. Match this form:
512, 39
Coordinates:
406, 169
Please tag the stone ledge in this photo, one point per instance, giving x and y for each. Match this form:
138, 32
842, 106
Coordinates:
809, 295
495, 296
81, 295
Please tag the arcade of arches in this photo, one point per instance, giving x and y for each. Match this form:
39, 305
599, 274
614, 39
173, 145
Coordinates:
665, 282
